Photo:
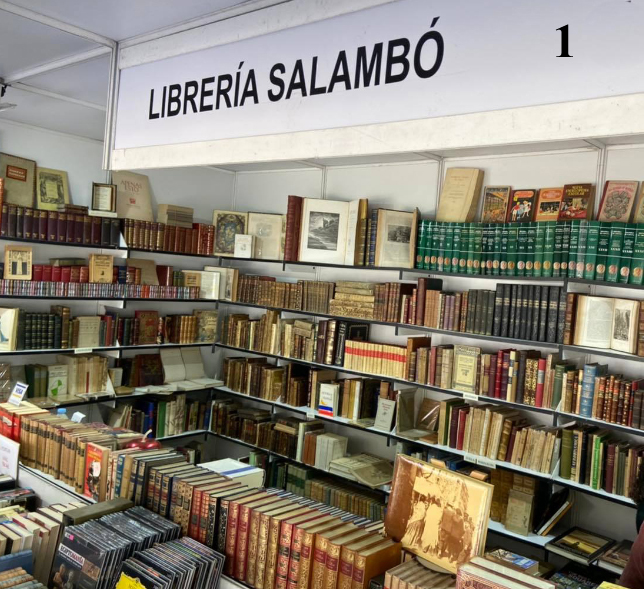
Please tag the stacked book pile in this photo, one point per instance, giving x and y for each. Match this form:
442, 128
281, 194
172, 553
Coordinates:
71, 225
416, 576
147, 235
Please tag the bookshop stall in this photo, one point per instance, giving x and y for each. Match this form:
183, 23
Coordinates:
290, 321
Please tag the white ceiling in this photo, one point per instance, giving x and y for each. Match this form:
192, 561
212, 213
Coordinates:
26, 43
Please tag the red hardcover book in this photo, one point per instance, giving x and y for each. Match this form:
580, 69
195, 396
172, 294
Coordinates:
28, 229
37, 272
55, 273
87, 230
164, 274
491, 391
74, 274
610, 467
52, 226
62, 228
78, 228
96, 230
84, 274
65, 273
462, 420
70, 235
453, 427
433, 356
293, 228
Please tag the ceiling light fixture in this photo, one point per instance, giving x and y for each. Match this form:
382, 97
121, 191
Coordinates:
4, 105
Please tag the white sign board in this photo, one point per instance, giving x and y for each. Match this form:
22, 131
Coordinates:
404, 60
18, 393
9, 451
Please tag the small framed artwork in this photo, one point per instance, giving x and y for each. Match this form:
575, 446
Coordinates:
52, 189
104, 197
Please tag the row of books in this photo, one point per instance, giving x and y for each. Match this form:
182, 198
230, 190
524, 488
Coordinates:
70, 227
151, 236
590, 456
77, 374
413, 575
95, 290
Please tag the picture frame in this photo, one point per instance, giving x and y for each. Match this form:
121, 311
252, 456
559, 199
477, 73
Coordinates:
52, 189
396, 238
324, 231
104, 197
268, 230
228, 224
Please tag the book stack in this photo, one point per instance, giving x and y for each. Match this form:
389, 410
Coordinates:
18, 577
416, 576
147, 235
59, 227
382, 359
616, 557
591, 457
488, 572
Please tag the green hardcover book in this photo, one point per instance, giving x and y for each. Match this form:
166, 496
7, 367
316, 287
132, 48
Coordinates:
456, 247
448, 252
464, 248
433, 250
505, 232
470, 249
602, 250
161, 419
548, 247
513, 239
484, 247
522, 249
599, 439
496, 250
626, 259
477, 247
566, 454
558, 253
573, 244
565, 247
581, 249
531, 248
637, 265
442, 233
539, 243
615, 244
560, 370
590, 258
489, 253
420, 244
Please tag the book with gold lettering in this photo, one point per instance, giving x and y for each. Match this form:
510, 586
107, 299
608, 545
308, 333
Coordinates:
231, 529
465, 368
308, 549
333, 550
318, 566
347, 558
101, 268
296, 546
374, 561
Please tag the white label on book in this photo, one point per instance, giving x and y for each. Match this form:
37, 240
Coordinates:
487, 462
83, 350
18, 393
470, 397
470, 458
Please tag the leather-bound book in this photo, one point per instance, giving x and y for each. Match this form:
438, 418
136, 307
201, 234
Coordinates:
232, 521
371, 562
308, 549
52, 226
96, 230
318, 562
78, 228
4, 227
293, 228
334, 548
11, 228
347, 558
87, 230
20, 222
106, 230
28, 223
296, 544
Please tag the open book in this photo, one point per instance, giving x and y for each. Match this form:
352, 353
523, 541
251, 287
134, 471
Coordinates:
607, 323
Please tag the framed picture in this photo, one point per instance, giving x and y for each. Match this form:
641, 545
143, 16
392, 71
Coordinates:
52, 189
396, 238
227, 225
18, 263
19, 176
324, 231
104, 197
268, 230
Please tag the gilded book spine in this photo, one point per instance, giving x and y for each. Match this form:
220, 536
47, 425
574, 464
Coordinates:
212, 530
283, 556
242, 543
202, 533
304, 576
262, 550
332, 566
231, 538
271, 554
358, 572
223, 526
252, 547
294, 562
319, 563
345, 572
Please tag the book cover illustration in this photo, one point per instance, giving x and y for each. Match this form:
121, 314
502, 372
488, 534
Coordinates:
521, 206
437, 514
617, 202
548, 204
227, 225
577, 202
78, 563
52, 189
495, 204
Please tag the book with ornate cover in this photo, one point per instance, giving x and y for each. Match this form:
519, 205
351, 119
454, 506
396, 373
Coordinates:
617, 201
333, 551
482, 573
296, 545
148, 326
427, 527
495, 204
228, 224
577, 202
293, 228
318, 564
19, 177
232, 529
308, 548
374, 561
521, 206
101, 268
548, 204
347, 558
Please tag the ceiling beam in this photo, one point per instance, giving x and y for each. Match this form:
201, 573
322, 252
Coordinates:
57, 24
56, 96
56, 64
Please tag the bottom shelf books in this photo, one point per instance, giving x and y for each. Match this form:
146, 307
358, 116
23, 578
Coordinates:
18, 577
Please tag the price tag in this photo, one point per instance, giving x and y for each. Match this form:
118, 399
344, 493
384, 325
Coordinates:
483, 461
470, 458
18, 393
78, 417
83, 350
470, 397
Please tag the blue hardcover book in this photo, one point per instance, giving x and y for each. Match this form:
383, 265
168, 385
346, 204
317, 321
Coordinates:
591, 372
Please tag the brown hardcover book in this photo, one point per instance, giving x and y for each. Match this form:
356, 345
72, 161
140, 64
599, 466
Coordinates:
374, 561
231, 529
308, 548
347, 558
318, 566
296, 545
293, 228
95, 230
333, 550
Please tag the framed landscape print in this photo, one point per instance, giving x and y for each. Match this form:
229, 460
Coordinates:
227, 225
8, 328
268, 231
52, 189
324, 231
19, 176
396, 238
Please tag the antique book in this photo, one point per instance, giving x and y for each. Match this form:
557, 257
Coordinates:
617, 201
521, 206
603, 322
466, 360
227, 225
175, 215
323, 235
577, 202
396, 238
495, 204
548, 204
148, 326
371, 562
101, 268
580, 545
460, 195
638, 210
18, 263
487, 574
615, 558
133, 196
19, 177
52, 189
518, 516
244, 246
268, 230
439, 515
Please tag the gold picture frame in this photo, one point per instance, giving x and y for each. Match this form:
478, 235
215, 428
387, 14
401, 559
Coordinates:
52, 189
104, 197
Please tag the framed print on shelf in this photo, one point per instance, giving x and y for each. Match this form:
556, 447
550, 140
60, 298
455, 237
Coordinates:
227, 225
324, 231
52, 189
19, 176
104, 197
268, 230
396, 238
